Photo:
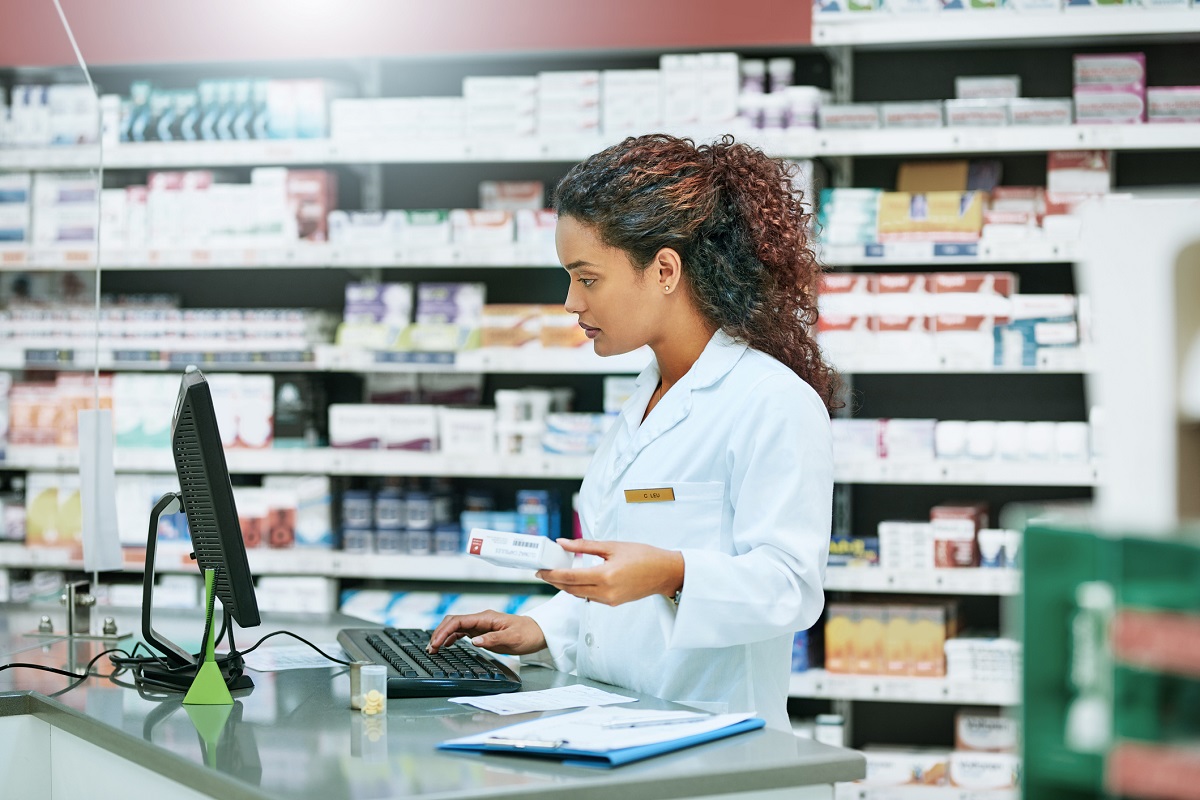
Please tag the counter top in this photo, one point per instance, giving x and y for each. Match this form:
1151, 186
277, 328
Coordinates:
294, 736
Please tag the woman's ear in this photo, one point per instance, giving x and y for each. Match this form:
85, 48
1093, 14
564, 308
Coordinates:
668, 270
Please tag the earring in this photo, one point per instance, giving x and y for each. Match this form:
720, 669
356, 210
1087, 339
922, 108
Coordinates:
666, 288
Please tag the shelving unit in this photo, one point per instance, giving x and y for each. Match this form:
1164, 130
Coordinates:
958, 581
854, 791
532, 150
335, 461
328, 563
1116, 26
817, 683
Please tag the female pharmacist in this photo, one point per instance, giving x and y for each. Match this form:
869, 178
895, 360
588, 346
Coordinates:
709, 500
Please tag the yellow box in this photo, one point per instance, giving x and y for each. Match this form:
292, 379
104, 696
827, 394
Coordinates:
931, 216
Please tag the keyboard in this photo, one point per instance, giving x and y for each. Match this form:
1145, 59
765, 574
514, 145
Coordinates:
460, 669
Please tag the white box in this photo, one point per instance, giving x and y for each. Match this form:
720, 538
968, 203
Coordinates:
478, 228
356, 426
1041, 111
517, 550
849, 116
855, 440
972, 87
467, 431
1173, 103
911, 114
977, 731
906, 439
410, 427
983, 771
719, 82
977, 112
681, 89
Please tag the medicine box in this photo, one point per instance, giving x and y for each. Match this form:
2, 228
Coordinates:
356, 426
977, 112
850, 116
912, 114
1041, 111
511, 325
904, 767
517, 550
1112, 70
410, 427
1116, 105
976, 87
954, 527
1173, 103
978, 730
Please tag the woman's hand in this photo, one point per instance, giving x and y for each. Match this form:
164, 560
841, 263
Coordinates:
509, 634
630, 572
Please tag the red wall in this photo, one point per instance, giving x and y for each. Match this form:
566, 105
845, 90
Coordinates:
174, 31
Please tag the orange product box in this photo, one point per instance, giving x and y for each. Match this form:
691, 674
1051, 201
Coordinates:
841, 626
511, 325
898, 641
561, 328
931, 216
931, 626
33, 413
869, 640
76, 393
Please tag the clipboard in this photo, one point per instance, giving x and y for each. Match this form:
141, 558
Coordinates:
550, 738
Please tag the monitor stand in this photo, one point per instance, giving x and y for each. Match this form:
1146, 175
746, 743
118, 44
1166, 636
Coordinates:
180, 667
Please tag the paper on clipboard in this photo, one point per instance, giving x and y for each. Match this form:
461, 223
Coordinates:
592, 730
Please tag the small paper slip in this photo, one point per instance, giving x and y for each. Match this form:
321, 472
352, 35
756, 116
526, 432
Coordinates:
575, 696
605, 737
294, 656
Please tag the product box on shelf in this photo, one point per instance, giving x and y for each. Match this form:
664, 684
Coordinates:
53, 514
450, 389
511, 325
356, 426
849, 116
982, 731
977, 112
630, 100
906, 439
424, 229
905, 545
930, 216
921, 114
909, 766
853, 551
467, 431
1117, 105
1041, 111
1173, 103
410, 427
803, 652
1036, 323
389, 303
560, 328
978, 87
954, 527
855, 440
568, 103
985, 771
512, 195
479, 228
681, 90
719, 79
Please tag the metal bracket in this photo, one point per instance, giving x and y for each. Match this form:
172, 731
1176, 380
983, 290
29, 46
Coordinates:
79, 601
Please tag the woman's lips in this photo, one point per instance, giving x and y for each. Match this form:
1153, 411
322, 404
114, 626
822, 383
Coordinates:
589, 331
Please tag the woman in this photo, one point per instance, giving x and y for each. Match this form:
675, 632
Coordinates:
709, 500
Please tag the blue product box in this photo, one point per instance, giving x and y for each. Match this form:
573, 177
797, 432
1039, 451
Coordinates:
504, 521
800, 652
853, 551
537, 513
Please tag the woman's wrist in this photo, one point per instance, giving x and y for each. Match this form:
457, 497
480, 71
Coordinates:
673, 583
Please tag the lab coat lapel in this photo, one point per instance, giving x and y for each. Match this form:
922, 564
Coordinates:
714, 363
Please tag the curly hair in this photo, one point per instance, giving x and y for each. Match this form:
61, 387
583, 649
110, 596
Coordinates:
736, 221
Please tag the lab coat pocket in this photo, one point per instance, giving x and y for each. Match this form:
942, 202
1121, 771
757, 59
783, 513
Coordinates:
691, 519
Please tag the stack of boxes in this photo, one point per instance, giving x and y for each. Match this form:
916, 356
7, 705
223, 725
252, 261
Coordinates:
15, 207
568, 103
922, 441
902, 639
500, 107
1110, 88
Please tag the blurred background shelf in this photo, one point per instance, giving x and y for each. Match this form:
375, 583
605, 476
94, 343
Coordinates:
817, 683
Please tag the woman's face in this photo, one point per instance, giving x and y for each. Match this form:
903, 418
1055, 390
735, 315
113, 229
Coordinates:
618, 306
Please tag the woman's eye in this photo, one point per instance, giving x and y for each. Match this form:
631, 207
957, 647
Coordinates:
587, 281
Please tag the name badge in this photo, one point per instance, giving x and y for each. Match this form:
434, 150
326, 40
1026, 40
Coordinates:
664, 495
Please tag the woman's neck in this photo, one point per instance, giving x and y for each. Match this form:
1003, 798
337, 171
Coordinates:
678, 349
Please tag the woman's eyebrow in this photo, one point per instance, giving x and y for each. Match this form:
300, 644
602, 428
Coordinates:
574, 265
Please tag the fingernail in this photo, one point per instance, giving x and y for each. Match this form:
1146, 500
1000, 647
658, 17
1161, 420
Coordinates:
477, 641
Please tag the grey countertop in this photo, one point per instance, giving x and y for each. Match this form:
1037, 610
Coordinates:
294, 736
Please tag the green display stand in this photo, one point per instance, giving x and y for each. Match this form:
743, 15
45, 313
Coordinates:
1079, 699
208, 688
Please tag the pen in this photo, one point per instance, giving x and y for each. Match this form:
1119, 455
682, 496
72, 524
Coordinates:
521, 744
646, 723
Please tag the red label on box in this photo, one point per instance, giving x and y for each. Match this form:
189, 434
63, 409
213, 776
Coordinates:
476, 546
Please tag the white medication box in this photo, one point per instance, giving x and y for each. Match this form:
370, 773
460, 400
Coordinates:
517, 550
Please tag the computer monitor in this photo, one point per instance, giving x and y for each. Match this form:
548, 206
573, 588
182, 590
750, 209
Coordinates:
206, 498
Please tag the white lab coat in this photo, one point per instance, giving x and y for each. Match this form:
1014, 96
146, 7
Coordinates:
746, 447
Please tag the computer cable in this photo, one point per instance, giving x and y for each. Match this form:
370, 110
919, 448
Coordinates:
298, 638
79, 678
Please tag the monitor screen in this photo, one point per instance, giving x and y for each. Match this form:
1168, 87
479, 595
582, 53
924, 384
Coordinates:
208, 498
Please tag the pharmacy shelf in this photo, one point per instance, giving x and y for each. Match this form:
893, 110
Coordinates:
969, 473
964, 581
1051, 361
300, 255
321, 461
327, 563
350, 462
931, 254
799, 143
1005, 139
971, 27
495, 361
858, 791
330, 358
490, 360
817, 683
